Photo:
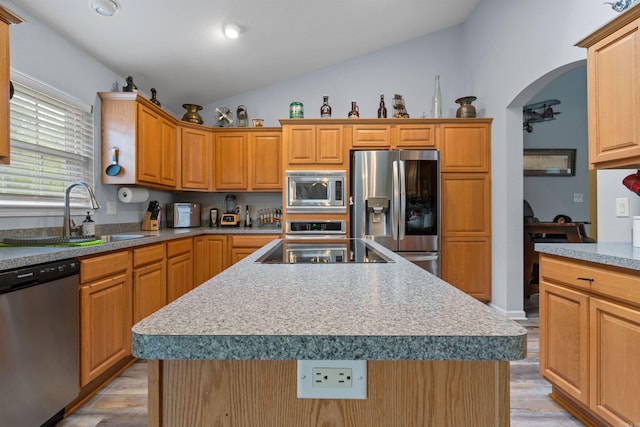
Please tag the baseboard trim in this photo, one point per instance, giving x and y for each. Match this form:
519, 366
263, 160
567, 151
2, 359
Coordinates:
511, 314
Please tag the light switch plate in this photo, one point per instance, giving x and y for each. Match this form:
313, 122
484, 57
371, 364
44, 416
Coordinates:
622, 207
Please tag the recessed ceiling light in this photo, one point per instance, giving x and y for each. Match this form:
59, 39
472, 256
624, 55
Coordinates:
232, 30
104, 7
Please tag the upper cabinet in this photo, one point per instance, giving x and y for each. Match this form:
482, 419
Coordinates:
196, 151
613, 89
145, 137
393, 134
248, 159
6, 18
312, 142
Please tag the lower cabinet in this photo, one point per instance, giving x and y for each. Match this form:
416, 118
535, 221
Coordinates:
105, 313
590, 338
179, 268
243, 245
209, 257
149, 280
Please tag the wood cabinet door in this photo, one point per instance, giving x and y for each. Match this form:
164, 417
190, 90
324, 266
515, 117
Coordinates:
466, 204
465, 147
4, 93
179, 276
613, 67
168, 153
564, 339
230, 158
7, 17
265, 161
414, 136
329, 144
147, 153
210, 257
466, 264
149, 290
105, 325
614, 362
195, 149
300, 144
371, 136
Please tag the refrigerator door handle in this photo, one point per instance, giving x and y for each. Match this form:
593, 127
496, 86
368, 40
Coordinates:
395, 188
403, 208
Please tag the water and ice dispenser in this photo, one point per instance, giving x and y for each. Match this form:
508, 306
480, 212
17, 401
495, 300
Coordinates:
378, 222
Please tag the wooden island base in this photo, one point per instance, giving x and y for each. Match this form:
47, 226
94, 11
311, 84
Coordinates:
194, 393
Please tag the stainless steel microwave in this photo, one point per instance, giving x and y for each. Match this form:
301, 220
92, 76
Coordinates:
316, 191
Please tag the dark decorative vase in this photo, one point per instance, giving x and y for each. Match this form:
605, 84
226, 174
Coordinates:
130, 86
154, 98
192, 115
466, 110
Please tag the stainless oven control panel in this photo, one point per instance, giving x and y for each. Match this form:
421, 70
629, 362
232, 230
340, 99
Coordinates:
307, 228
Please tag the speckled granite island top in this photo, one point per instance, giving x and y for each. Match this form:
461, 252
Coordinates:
614, 254
392, 311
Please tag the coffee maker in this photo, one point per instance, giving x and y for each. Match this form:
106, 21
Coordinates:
231, 216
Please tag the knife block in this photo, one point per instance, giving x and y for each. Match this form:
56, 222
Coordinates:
149, 224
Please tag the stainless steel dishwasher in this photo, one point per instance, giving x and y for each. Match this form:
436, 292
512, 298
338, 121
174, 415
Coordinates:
39, 342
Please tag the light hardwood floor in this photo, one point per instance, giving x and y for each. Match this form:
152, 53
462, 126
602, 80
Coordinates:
123, 403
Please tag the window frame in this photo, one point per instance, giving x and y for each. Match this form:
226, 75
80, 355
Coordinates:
33, 207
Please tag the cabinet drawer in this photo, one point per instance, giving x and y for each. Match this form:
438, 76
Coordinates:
371, 136
252, 241
177, 247
148, 254
103, 265
613, 282
415, 136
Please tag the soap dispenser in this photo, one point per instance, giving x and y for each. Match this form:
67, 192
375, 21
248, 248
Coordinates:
88, 226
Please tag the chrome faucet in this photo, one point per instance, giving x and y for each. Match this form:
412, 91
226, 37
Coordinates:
66, 226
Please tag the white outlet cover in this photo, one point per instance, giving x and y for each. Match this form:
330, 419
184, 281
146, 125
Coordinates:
358, 389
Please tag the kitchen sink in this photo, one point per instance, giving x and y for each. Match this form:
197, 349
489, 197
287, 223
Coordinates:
107, 238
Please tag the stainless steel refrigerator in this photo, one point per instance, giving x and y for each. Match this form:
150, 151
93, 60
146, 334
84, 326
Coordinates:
396, 202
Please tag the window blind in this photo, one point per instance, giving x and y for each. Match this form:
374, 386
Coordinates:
51, 147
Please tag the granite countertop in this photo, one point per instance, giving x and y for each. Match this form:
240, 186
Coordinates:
351, 311
613, 254
21, 256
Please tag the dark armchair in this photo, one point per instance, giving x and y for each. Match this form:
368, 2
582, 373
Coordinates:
562, 231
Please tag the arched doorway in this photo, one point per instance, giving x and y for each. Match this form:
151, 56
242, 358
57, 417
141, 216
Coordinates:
553, 195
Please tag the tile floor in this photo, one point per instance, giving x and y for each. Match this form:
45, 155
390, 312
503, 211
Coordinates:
123, 403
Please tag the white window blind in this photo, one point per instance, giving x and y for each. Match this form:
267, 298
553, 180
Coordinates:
51, 147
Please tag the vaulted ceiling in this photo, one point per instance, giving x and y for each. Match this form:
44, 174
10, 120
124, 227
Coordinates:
178, 47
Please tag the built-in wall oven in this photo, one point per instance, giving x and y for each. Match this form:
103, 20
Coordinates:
316, 191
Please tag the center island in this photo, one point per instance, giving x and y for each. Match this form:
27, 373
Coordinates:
225, 354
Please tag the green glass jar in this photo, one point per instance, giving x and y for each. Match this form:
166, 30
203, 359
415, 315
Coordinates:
296, 110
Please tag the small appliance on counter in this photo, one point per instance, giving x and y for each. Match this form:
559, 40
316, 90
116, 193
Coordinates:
183, 215
231, 215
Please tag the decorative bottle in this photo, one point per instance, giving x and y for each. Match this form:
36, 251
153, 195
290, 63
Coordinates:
325, 109
436, 105
382, 109
355, 111
88, 226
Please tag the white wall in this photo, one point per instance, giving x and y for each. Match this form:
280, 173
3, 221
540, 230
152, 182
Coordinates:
407, 69
610, 227
516, 48
549, 195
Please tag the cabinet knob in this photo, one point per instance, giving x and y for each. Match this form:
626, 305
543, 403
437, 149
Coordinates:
587, 279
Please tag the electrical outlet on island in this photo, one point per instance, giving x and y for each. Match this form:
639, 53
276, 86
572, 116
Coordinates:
332, 379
